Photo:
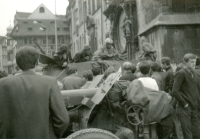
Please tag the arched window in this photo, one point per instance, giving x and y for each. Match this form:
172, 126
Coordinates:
41, 9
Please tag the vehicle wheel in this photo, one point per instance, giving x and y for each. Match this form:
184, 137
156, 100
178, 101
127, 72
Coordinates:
92, 133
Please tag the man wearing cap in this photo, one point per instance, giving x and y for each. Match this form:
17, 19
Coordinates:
63, 56
84, 55
108, 52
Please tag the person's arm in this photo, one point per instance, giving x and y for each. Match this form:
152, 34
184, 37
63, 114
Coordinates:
176, 91
58, 111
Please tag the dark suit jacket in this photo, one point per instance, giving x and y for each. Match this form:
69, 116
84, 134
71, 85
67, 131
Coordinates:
160, 79
72, 82
31, 107
129, 76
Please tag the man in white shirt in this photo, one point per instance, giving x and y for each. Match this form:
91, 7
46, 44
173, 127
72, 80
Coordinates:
148, 82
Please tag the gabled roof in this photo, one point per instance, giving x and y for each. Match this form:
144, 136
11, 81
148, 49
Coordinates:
37, 15
22, 15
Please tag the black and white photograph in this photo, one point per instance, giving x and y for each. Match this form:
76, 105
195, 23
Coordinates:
100, 69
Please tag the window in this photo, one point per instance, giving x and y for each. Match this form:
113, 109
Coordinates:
52, 22
58, 29
44, 40
25, 41
53, 40
30, 41
30, 29
41, 9
65, 22
66, 29
25, 22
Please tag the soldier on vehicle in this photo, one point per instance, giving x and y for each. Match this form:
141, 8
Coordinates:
84, 55
31, 105
108, 52
63, 56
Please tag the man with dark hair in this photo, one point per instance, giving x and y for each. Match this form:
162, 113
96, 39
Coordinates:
169, 75
128, 75
96, 71
31, 104
84, 55
148, 82
87, 78
158, 75
63, 56
72, 81
185, 90
3, 73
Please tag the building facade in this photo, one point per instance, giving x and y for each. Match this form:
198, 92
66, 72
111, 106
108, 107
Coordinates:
11, 52
87, 24
171, 26
3, 53
38, 29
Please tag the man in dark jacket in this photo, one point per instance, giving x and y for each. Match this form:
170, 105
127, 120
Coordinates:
63, 56
84, 55
128, 75
72, 81
169, 75
185, 90
31, 104
158, 75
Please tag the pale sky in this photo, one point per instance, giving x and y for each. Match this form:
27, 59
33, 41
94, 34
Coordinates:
8, 9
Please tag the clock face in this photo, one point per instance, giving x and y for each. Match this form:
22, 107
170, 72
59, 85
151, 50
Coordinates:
121, 35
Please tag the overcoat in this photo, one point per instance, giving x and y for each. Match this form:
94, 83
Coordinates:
31, 107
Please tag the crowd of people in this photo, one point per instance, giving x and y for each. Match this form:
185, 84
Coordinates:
32, 105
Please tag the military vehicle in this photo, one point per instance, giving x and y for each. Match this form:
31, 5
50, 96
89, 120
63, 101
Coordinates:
93, 113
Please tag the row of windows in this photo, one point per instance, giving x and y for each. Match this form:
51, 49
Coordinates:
43, 40
58, 29
52, 22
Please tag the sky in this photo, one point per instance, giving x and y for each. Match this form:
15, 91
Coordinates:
8, 9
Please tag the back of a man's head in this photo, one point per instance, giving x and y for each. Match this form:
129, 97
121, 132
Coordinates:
71, 70
88, 75
155, 67
96, 71
27, 57
127, 66
166, 60
144, 67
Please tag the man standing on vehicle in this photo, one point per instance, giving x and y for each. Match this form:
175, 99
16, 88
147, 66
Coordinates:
185, 90
31, 104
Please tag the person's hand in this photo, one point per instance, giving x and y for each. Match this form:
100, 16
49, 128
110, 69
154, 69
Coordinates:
64, 64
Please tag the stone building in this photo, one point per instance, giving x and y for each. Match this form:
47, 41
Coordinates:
172, 27
3, 53
39, 28
11, 51
88, 25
